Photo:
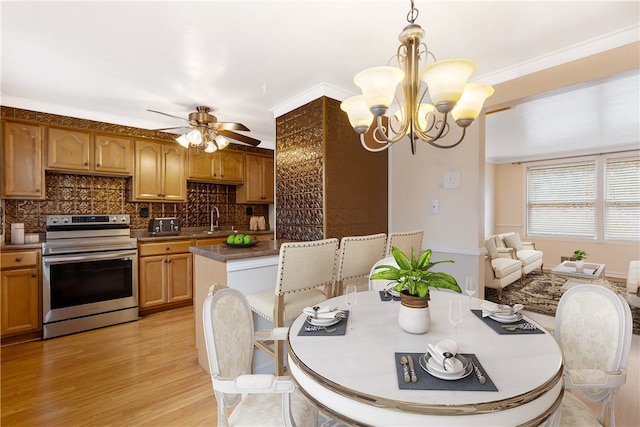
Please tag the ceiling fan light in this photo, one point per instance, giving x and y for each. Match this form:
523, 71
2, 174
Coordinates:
445, 81
378, 85
210, 148
194, 137
182, 140
221, 141
470, 104
358, 113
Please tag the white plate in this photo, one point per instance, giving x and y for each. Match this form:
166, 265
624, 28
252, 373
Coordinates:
424, 364
323, 322
393, 292
506, 319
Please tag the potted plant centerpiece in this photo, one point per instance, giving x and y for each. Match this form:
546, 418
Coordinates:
579, 256
412, 278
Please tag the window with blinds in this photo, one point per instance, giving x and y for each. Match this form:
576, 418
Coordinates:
596, 199
622, 199
562, 200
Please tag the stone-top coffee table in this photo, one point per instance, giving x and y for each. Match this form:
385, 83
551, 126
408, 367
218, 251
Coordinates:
589, 273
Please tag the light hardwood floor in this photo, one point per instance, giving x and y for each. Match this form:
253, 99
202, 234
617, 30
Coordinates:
135, 374
146, 373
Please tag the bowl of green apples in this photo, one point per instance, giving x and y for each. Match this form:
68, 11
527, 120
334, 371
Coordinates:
240, 241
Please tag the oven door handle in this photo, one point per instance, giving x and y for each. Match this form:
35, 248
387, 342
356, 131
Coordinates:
94, 256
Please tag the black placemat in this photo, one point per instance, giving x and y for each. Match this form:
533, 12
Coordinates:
389, 297
341, 328
428, 382
498, 327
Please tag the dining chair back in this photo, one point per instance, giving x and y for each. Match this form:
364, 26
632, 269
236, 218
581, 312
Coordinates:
355, 257
305, 277
593, 327
242, 398
405, 241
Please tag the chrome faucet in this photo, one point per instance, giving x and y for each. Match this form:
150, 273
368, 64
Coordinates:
217, 212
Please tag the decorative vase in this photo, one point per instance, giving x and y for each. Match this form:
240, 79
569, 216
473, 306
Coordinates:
414, 316
579, 265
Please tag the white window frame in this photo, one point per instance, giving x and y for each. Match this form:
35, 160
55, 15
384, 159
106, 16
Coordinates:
599, 202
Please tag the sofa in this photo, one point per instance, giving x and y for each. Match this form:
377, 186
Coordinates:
633, 280
509, 259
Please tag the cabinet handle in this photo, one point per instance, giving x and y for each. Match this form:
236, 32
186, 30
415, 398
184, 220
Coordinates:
168, 248
37, 190
98, 165
34, 275
85, 164
18, 259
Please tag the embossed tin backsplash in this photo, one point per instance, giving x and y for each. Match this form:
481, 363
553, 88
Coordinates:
85, 194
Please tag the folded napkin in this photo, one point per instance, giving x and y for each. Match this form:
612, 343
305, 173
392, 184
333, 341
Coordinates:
489, 308
321, 312
437, 352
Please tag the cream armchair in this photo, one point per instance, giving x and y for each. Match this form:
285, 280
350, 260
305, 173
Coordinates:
524, 251
503, 268
633, 280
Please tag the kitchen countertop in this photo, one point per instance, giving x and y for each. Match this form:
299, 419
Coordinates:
225, 253
145, 236
11, 247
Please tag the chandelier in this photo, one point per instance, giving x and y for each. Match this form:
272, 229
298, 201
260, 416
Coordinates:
445, 83
204, 138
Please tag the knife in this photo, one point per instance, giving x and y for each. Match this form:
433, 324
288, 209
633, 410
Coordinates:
414, 377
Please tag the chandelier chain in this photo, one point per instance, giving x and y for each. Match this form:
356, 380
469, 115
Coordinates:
413, 14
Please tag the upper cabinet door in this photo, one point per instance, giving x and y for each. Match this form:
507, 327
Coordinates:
175, 176
148, 176
22, 171
113, 155
68, 150
231, 166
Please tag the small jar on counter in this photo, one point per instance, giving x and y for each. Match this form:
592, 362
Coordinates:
17, 233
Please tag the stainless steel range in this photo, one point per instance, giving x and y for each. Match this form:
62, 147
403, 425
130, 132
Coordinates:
90, 273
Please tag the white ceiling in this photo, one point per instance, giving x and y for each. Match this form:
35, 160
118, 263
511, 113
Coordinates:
254, 60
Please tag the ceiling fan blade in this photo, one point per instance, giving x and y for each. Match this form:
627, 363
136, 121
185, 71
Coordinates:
227, 126
170, 115
238, 137
175, 127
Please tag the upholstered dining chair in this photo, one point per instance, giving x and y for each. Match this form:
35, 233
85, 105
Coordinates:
306, 275
242, 398
405, 241
593, 328
355, 257
378, 285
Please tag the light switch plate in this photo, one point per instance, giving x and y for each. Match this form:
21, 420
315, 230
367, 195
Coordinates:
451, 180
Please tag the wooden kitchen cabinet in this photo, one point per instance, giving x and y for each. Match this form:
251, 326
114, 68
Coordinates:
224, 166
20, 294
83, 152
258, 180
165, 275
22, 161
160, 172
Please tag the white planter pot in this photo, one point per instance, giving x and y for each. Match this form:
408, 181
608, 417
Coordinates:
579, 265
414, 320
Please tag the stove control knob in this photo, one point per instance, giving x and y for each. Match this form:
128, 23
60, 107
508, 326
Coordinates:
114, 219
55, 220
123, 219
66, 220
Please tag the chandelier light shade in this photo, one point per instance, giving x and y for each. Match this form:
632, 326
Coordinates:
427, 97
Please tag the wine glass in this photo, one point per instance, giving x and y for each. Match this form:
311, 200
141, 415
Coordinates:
470, 287
352, 299
455, 313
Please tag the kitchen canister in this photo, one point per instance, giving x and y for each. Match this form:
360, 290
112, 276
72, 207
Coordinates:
17, 233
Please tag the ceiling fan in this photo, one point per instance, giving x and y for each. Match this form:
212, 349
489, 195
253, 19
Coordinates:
204, 130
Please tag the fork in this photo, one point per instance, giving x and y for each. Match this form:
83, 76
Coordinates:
314, 328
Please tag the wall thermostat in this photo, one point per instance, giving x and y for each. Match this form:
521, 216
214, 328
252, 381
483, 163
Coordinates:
451, 180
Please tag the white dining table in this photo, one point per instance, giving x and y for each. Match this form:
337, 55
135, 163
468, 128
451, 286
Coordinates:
353, 376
